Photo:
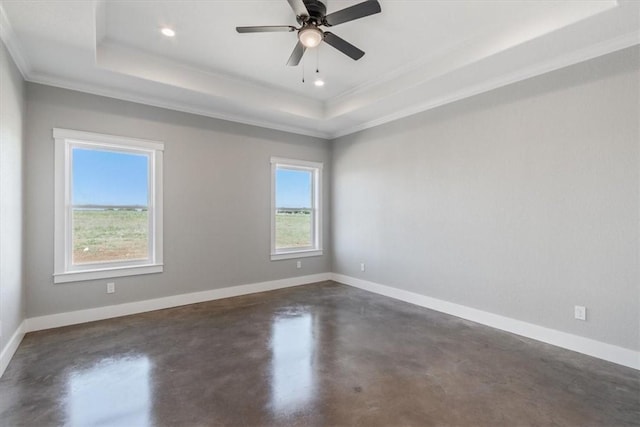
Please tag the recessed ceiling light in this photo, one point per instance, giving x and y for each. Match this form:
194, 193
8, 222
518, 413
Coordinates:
168, 32
319, 82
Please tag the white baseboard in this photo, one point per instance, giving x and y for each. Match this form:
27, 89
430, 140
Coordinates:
608, 352
107, 312
9, 350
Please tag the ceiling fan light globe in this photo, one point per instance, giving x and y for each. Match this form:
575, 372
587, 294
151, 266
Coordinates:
310, 36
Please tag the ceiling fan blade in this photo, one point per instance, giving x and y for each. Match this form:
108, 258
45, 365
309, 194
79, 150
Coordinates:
343, 46
296, 55
298, 7
357, 11
266, 29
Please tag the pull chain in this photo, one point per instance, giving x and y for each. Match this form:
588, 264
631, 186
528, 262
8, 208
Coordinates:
303, 70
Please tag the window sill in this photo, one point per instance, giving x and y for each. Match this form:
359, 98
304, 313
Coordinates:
107, 273
296, 254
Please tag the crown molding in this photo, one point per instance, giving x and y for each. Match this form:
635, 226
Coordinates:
591, 52
462, 55
10, 39
324, 125
600, 49
132, 62
123, 95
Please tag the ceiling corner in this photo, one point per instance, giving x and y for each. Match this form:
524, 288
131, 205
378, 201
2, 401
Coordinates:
10, 40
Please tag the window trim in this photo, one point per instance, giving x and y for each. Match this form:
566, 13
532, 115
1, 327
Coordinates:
316, 169
64, 272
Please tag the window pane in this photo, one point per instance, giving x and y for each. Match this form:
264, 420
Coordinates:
110, 206
294, 214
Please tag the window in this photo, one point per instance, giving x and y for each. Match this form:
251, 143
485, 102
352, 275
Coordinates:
108, 206
295, 209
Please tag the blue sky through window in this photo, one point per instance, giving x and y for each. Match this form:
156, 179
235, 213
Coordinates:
109, 178
293, 188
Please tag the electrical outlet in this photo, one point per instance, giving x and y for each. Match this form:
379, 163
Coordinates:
111, 287
580, 312
299, 264
362, 267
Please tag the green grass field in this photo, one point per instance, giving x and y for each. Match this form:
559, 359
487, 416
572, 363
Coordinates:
293, 230
108, 235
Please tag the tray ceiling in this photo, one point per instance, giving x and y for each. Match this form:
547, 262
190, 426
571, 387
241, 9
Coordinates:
419, 54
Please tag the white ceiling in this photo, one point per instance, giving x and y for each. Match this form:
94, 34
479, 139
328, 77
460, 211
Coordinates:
419, 54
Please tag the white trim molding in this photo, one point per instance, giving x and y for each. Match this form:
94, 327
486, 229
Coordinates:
585, 54
111, 311
8, 36
604, 351
107, 273
174, 105
12, 345
590, 347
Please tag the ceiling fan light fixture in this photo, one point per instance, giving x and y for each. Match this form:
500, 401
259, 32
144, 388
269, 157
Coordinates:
319, 82
310, 36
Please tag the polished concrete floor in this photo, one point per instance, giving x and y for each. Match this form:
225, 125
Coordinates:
321, 355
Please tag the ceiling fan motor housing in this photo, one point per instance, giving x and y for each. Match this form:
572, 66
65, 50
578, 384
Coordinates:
317, 11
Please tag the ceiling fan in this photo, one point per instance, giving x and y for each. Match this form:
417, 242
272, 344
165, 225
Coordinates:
312, 14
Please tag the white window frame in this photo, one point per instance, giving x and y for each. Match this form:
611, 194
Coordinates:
64, 270
316, 210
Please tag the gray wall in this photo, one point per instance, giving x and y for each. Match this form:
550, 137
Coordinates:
523, 201
12, 301
216, 199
